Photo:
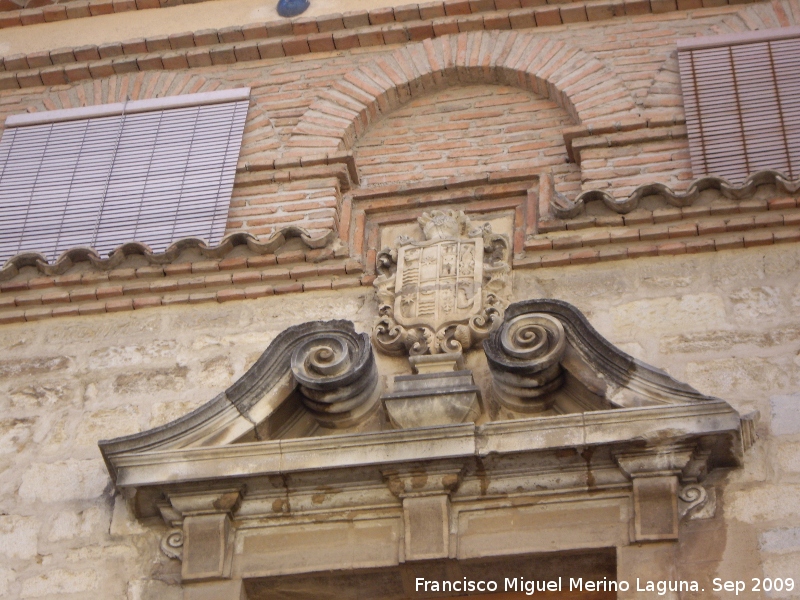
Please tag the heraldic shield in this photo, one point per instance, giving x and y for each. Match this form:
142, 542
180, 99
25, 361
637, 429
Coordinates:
445, 293
438, 282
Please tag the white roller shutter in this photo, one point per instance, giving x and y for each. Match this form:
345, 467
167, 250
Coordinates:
151, 171
742, 99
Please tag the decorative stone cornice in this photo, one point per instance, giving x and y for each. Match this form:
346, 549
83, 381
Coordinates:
568, 209
714, 422
228, 469
119, 255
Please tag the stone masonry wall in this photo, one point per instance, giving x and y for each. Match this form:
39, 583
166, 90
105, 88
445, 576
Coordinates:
724, 322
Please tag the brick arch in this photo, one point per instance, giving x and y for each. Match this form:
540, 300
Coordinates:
135, 86
573, 79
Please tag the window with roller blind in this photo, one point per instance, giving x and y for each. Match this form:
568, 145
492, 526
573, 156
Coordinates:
151, 171
742, 100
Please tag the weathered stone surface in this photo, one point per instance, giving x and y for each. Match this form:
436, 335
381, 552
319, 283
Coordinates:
123, 522
147, 589
10, 369
753, 303
789, 460
730, 376
216, 372
70, 525
352, 305
732, 270
152, 380
784, 539
60, 581
123, 356
782, 566
7, 577
64, 481
43, 395
719, 341
164, 412
14, 434
106, 424
573, 284
695, 312
785, 414
765, 503
665, 274
18, 536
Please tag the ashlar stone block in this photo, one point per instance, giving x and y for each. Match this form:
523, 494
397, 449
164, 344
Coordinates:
426, 527
656, 505
206, 547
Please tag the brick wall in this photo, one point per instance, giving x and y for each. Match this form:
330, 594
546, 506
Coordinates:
598, 74
467, 131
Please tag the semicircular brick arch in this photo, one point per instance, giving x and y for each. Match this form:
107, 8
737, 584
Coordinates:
576, 81
136, 86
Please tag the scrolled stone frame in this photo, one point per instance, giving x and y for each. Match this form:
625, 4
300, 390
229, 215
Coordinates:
420, 339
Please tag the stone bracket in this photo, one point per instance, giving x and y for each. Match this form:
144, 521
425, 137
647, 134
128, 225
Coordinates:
204, 541
207, 547
426, 527
655, 473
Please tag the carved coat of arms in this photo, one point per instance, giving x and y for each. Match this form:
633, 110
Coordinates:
445, 293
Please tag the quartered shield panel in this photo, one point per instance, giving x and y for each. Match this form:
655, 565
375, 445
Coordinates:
438, 282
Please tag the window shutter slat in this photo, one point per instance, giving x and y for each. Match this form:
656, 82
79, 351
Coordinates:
152, 176
742, 99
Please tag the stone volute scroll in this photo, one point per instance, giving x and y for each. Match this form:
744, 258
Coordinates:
337, 378
444, 293
524, 356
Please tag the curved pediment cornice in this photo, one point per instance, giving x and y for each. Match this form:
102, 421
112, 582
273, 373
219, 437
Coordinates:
556, 384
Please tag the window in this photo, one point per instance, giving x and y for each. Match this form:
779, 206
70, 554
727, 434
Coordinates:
152, 171
742, 98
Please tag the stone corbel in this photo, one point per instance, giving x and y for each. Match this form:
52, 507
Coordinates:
202, 533
657, 474
425, 494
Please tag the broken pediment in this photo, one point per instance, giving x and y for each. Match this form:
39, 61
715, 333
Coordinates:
559, 412
546, 357
549, 368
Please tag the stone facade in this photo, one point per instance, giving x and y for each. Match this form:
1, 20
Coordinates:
550, 126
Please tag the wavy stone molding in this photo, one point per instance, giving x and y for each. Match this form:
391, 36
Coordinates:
122, 252
546, 352
568, 209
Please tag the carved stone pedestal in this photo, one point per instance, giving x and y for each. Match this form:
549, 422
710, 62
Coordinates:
441, 393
